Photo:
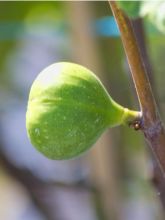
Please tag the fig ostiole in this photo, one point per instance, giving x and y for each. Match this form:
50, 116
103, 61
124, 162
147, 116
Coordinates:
68, 109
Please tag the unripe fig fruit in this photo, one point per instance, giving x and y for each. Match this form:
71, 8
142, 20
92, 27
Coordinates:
68, 109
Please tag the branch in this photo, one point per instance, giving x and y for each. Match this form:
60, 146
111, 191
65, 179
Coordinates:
138, 27
152, 126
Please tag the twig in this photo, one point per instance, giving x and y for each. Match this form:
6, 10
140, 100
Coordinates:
157, 178
152, 126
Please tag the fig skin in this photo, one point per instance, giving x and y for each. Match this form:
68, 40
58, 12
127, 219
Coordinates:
68, 109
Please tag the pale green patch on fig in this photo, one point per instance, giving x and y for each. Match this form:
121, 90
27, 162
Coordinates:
68, 109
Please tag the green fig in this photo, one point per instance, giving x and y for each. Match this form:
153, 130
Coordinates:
68, 109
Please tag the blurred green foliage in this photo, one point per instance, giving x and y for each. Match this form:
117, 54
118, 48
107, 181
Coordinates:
131, 8
154, 11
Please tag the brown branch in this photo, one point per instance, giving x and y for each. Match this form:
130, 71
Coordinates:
152, 126
138, 27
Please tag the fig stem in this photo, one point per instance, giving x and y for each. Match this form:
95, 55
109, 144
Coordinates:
129, 116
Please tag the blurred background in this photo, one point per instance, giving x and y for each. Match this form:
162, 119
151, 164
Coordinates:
112, 181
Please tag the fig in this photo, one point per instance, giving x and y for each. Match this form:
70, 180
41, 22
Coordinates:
68, 109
